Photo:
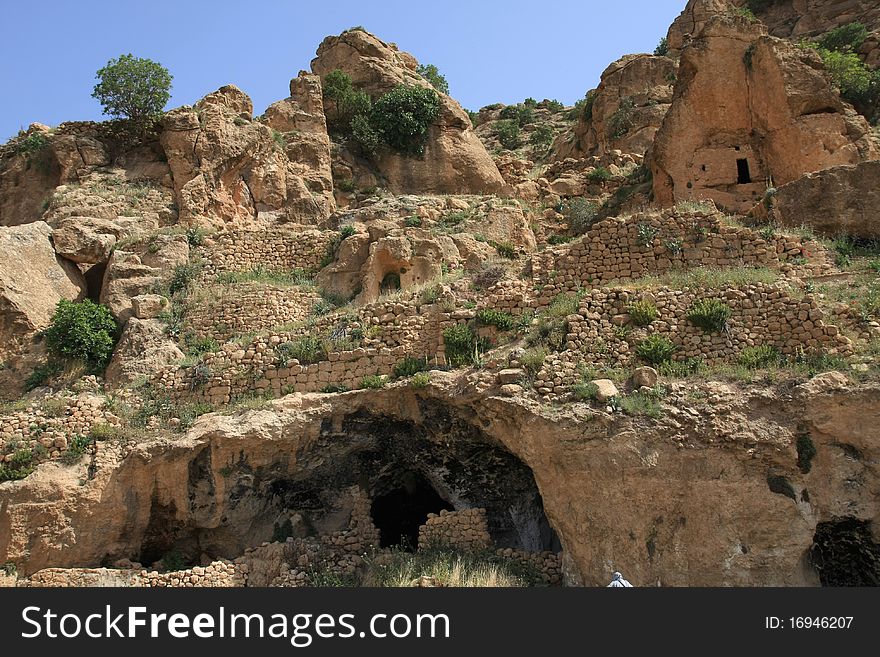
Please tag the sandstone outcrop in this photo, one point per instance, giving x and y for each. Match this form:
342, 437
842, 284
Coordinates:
687, 489
628, 107
454, 162
33, 279
840, 200
749, 109
143, 348
230, 169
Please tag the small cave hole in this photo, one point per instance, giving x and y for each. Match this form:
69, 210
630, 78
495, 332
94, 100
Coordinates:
95, 280
743, 176
390, 283
399, 512
844, 553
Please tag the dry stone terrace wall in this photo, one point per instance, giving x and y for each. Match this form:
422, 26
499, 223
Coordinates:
273, 250
464, 530
650, 244
222, 377
761, 315
250, 309
35, 426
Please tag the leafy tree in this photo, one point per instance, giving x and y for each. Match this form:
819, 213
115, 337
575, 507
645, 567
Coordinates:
507, 132
662, 48
403, 116
433, 75
133, 88
541, 136
348, 102
83, 331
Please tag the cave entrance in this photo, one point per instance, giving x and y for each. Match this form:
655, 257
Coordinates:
390, 283
743, 176
844, 553
399, 512
95, 281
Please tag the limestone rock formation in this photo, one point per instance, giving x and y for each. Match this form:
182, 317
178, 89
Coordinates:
139, 269
840, 200
454, 162
628, 106
32, 282
228, 168
143, 348
749, 110
812, 17
685, 488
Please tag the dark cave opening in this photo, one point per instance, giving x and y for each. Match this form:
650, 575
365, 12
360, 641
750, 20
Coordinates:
844, 553
743, 176
95, 281
398, 513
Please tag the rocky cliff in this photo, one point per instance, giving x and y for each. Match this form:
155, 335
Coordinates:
639, 334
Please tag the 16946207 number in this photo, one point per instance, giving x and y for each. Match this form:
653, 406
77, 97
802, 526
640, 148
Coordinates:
820, 622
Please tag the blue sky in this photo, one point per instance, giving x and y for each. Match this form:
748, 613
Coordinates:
489, 51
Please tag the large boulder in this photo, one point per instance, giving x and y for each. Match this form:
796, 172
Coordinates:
33, 279
143, 349
454, 162
230, 169
839, 200
139, 270
628, 107
750, 111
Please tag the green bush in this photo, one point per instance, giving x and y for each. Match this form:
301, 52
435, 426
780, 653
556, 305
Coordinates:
403, 117
541, 136
532, 360
621, 122
645, 234
133, 88
306, 349
599, 174
505, 250
22, 464
183, 277
640, 403
76, 449
583, 109
331, 388
584, 390
846, 38
373, 382
500, 319
463, 346
755, 358
364, 134
433, 75
412, 222
507, 133
409, 366
82, 331
642, 312
581, 214
32, 145
655, 349
680, 369
420, 380
711, 315
522, 114
553, 105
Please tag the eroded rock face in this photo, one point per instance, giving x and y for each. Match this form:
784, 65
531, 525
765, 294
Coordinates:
143, 348
811, 17
230, 169
840, 200
749, 110
628, 108
32, 282
454, 162
717, 499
